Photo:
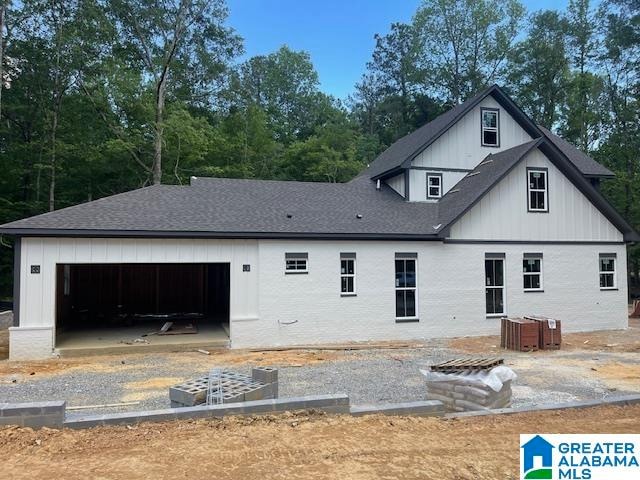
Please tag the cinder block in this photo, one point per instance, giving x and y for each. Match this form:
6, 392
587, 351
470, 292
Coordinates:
256, 393
17, 421
265, 375
39, 421
420, 408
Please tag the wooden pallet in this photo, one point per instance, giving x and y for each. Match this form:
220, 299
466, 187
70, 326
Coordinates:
466, 365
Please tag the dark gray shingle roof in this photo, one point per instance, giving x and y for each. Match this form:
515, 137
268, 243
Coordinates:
407, 147
477, 183
246, 207
587, 165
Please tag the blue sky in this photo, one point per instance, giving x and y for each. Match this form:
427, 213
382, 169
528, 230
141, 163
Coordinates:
337, 33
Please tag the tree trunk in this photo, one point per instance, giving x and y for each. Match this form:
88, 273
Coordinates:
52, 162
159, 131
3, 8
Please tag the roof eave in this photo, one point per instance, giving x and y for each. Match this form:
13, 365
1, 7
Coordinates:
94, 233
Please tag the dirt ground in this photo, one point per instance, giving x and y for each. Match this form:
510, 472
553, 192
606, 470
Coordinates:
298, 446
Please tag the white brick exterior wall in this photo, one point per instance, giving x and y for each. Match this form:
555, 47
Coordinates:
306, 309
30, 343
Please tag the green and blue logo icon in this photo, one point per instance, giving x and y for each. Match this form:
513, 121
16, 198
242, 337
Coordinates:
537, 459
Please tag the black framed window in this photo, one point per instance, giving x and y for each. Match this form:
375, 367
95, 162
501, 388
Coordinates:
406, 287
495, 285
347, 274
434, 185
607, 271
490, 127
532, 271
296, 263
538, 190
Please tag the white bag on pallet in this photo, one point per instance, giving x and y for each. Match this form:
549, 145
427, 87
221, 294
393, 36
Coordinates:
493, 378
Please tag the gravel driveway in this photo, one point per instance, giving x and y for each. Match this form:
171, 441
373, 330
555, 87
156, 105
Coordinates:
367, 376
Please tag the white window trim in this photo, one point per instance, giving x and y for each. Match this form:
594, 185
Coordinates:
439, 177
545, 190
348, 275
490, 129
541, 273
415, 289
503, 287
296, 271
614, 273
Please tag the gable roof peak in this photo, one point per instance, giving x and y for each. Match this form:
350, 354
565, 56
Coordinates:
400, 154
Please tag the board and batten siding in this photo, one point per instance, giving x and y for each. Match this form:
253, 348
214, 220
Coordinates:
308, 309
460, 147
502, 213
397, 183
38, 291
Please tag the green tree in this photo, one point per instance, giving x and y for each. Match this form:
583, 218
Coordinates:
182, 46
539, 68
284, 85
465, 43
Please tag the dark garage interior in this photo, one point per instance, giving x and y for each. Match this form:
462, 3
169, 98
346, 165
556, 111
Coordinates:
137, 301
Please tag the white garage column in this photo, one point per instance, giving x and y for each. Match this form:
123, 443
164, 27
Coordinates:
34, 337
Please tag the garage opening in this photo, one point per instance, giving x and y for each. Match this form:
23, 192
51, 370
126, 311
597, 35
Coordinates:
119, 305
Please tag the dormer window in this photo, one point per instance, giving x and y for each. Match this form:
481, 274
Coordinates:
490, 127
434, 186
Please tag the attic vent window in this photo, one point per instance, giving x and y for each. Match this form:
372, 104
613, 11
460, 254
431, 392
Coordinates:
490, 128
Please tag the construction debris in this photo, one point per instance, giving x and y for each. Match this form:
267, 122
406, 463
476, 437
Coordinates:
223, 386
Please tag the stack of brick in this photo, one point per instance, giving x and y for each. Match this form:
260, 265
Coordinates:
470, 392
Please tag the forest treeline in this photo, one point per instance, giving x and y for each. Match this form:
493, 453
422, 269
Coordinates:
104, 96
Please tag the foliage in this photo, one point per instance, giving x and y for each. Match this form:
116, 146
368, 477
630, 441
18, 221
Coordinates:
100, 97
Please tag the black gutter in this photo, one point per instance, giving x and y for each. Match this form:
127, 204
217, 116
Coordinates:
85, 233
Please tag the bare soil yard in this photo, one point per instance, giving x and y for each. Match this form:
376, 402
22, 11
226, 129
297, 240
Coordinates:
298, 446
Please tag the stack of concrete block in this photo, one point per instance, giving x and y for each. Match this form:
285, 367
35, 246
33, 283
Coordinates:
268, 376
463, 395
236, 387
34, 415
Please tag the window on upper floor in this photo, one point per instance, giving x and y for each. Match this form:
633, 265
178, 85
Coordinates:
490, 127
537, 190
434, 186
